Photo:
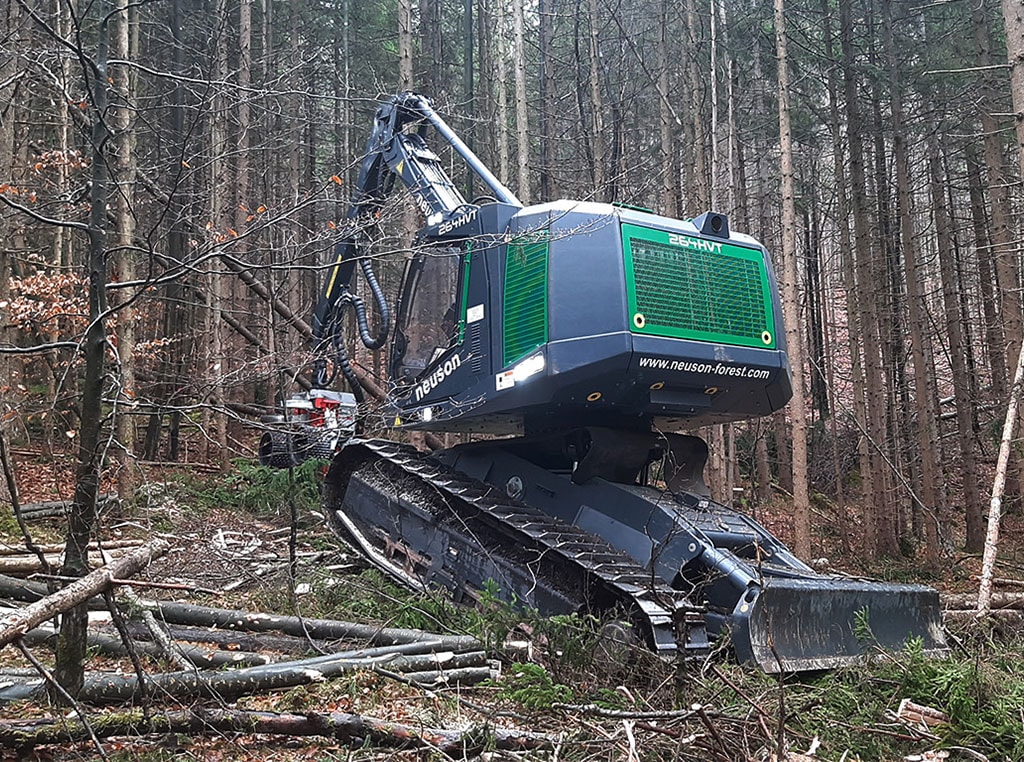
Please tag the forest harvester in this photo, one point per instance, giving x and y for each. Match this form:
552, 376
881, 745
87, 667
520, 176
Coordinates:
582, 337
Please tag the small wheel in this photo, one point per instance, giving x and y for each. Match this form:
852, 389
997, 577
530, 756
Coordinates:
277, 450
315, 444
320, 448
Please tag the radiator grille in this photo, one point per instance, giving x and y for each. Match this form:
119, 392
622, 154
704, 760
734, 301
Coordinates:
688, 287
525, 323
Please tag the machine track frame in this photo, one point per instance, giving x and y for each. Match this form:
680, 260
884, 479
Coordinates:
478, 529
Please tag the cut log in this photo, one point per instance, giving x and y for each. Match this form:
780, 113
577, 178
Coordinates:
351, 729
230, 684
958, 601
234, 640
320, 629
16, 625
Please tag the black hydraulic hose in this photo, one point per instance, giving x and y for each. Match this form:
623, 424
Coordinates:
371, 342
342, 363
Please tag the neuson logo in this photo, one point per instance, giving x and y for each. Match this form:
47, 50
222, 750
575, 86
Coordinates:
440, 373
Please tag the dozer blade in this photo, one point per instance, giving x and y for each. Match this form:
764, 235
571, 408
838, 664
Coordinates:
800, 624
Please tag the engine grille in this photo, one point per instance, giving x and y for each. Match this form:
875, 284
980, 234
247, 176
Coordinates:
525, 324
688, 287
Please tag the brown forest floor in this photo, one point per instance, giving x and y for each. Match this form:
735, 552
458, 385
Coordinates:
233, 551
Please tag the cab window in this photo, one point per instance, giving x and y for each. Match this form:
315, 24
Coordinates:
429, 321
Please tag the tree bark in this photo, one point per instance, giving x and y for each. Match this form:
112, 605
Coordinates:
988, 562
791, 299
78, 593
354, 730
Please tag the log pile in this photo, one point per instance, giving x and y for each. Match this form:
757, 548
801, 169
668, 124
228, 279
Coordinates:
1005, 608
232, 653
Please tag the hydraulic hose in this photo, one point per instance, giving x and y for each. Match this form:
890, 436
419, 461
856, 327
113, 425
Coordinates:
342, 363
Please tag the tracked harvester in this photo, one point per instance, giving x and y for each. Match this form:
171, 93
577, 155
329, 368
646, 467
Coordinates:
585, 336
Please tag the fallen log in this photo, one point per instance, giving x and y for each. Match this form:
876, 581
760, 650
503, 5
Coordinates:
60, 507
55, 547
19, 589
17, 624
969, 617
1002, 581
112, 645
29, 564
441, 678
212, 619
351, 729
963, 601
228, 685
237, 640
320, 629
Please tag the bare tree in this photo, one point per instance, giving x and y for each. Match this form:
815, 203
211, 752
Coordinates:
791, 297
69, 670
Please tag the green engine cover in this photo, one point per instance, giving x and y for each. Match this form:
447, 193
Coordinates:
525, 323
694, 288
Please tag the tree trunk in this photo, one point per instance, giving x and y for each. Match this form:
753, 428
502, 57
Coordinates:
71, 647
596, 103
9, 18
927, 431
876, 509
994, 341
988, 561
791, 299
126, 45
669, 149
697, 179
1013, 19
501, 58
961, 375
1004, 248
225, 229
522, 112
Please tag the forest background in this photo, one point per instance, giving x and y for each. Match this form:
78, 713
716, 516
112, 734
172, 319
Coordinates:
174, 175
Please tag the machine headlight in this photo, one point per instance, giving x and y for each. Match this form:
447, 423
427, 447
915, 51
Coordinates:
528, 367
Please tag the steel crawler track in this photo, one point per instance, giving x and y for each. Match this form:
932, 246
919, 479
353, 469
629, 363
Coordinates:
438, 533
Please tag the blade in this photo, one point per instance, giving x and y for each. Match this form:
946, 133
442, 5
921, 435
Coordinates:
794, 624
